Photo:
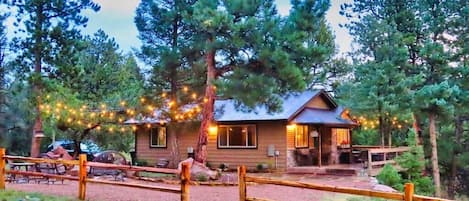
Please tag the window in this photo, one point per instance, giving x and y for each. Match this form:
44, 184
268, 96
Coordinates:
301, 136
343, 137
237, 136
158, 137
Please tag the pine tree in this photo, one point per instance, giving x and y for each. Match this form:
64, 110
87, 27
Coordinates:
165, 36
380, 65
434, 85
247, 46
48, 27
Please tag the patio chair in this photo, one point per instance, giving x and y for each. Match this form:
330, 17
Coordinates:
112, 157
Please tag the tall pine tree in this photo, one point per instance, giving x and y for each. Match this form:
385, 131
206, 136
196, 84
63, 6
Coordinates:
247, 46
48, 26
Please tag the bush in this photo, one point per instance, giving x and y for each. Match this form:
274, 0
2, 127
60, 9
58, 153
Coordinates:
208, 165
259, 167
201, 177
141, 162
424, 186
390, 177
223, 166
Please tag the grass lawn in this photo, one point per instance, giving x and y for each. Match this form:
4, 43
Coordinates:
156, 175
9, 195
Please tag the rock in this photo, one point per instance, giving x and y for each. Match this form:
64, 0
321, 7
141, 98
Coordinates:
189, 161
384, 188
198, 170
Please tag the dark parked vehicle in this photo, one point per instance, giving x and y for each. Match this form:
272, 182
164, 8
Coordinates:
87, 147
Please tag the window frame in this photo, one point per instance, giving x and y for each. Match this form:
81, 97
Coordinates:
304, 134
157, 128
219, 146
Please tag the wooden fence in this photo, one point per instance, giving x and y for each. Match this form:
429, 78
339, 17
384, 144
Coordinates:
408, 194
384, 153
82, 174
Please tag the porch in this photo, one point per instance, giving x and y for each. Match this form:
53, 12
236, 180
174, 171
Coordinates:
336, 169
362, 160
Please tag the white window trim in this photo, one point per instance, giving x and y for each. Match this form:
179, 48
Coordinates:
151, 137
228, 138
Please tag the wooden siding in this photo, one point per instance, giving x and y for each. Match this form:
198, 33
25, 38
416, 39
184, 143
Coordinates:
142, 147
290, 138
318, 102
267, 133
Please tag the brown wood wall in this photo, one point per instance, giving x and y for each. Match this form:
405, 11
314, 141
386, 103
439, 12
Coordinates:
268, 133
318, 102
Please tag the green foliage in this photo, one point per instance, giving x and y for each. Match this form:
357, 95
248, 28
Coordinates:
365, 137
423, 186
141, 162
412, 162
390, 177
18, 195
201, 177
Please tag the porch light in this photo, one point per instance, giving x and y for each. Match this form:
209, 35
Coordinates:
291, 126
213, 130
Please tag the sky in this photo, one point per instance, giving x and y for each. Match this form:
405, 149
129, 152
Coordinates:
116, 19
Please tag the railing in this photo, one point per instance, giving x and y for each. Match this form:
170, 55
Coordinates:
384, 152
408, 194
82, 174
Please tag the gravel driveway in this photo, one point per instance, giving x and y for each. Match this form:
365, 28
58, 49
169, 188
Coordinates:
101, 192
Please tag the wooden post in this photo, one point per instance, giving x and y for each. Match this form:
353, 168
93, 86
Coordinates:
370, 161
2, 169
185, 182
82, 177
408, 191
320, 148
242, 182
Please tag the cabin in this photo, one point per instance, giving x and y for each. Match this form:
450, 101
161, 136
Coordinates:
311, 130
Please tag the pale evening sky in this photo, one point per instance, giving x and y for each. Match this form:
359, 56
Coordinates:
116, 18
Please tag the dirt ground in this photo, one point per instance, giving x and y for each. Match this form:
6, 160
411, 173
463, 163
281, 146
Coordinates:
101, 192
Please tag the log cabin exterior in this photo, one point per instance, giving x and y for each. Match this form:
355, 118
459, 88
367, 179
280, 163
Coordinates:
311, 130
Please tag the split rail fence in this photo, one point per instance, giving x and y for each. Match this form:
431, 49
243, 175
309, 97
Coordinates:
82, 179
408, 194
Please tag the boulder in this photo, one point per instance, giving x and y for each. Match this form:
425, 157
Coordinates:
199, 170
384, 188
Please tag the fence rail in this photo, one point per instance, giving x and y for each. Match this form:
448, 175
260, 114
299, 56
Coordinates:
384, 152
408, 194
82, 174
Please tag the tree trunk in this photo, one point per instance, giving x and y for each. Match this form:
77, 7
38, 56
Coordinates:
207, 112
434, 158
452, 183
35, 141
416, 127
381, 130
174, 144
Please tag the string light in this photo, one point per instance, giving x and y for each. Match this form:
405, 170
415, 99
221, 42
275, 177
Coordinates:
82, 116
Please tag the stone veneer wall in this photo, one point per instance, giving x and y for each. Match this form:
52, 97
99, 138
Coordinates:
291, 162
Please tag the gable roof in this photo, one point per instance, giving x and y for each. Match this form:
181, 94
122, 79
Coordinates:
292, 105
321, 116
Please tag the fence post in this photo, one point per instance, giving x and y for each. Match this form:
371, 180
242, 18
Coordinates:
2, 169
185, 181
82, 177
370, 162
242, 182
408, 192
